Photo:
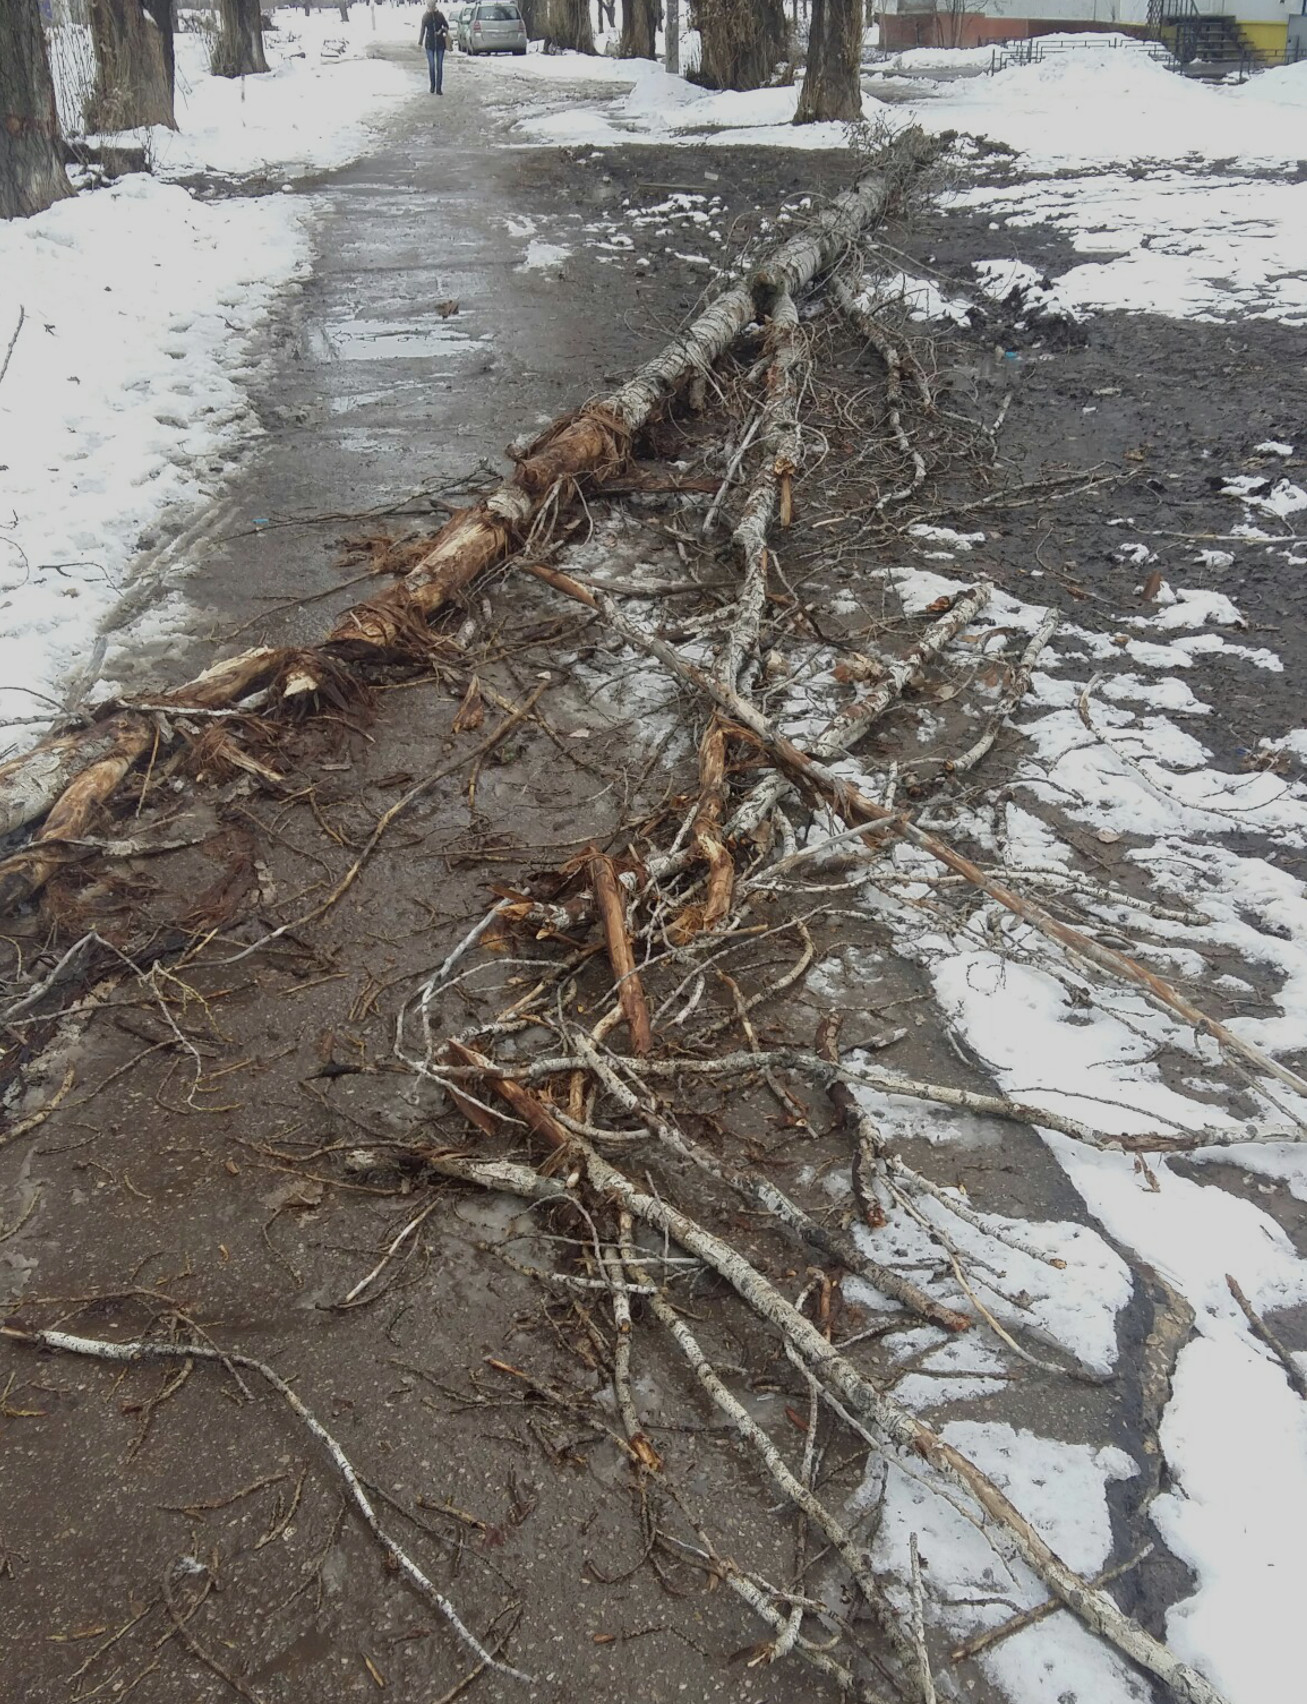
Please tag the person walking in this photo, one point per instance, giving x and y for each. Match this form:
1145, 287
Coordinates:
434, 37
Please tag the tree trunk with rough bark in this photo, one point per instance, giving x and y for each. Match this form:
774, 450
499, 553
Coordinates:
743, 41
567, 24
162, 13
238, 51
131, 84
672, 45
31, 156
639, 28
832, 87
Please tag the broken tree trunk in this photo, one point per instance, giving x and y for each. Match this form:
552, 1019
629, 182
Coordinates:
594, 442
598, 439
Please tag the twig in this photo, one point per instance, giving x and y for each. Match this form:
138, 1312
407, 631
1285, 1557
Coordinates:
612, 913
400, 805
1050, 1606
1260, 1329
903, 1428
4, 367
925, 1681
732, 468
64, 1342
197, 1650
351, 1300
854, 1557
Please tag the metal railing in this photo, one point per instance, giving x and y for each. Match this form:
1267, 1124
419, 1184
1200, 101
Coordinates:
1033, 50
1180, 15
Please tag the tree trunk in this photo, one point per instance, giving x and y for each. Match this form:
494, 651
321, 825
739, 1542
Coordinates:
238, 51
639, 27
567, 24
31, 156
161, 11
131, 81
673, 39
743, 41
832, 87
532, 16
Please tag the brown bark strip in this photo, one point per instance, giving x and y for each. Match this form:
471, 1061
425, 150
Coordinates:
26, 872
706, 838
612, 915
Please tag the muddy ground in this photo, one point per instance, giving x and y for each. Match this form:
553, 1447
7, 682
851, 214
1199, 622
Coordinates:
243, 1176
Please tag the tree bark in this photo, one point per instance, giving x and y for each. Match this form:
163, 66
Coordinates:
131, 84
31, 155
832, 87
238, 51
639, 27
532, 16
743, 41
161, 11
672, 45
567, 24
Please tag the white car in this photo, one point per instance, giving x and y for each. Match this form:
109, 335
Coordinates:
493, 26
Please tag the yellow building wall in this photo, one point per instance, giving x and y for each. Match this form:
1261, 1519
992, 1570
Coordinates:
1264, 37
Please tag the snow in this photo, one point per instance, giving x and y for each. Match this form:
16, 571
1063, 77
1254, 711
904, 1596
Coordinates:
1061, 1488
125, 404
125, 399
660, 108
310, 113
121, 423
1234, 1435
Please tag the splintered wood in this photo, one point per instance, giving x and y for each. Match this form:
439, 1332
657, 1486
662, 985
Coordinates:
656, 1072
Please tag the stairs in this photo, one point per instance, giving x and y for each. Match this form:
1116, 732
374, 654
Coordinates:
1200, 38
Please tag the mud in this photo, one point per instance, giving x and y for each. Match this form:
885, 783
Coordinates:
244, 1182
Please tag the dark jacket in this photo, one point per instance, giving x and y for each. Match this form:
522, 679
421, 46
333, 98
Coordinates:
435, 30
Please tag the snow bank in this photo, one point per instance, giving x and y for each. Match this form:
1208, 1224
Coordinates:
125, 399
667, 110
1092, 102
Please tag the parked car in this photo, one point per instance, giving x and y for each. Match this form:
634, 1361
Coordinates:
493, 26
458, 16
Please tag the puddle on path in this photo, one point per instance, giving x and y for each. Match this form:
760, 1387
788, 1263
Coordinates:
382, 340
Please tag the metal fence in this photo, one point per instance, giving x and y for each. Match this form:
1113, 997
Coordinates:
1033, 50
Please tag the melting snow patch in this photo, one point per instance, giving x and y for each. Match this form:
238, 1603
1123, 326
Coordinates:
540, 256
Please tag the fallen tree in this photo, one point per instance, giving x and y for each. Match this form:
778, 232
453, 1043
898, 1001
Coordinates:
651, 927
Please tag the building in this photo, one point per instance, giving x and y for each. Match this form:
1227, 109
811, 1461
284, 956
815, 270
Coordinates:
1269, 30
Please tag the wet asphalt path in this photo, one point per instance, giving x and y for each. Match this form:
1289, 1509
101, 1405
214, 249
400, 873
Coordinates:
428, 335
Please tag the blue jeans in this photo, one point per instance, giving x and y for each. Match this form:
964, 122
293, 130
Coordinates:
436, 65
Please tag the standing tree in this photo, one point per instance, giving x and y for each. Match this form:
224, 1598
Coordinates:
31, 154
567, 24
532, 15
673, 39
238, 51
132, 86
742, 42
832, 86
639, 28
162, 13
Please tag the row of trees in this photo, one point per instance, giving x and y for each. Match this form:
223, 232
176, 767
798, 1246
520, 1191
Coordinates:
742, 44
134, 83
